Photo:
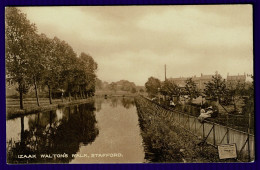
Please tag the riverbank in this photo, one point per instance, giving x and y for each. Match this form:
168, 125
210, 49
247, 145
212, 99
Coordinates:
13, 112
166, 141
116, 93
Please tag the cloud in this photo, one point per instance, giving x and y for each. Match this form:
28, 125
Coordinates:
134, 42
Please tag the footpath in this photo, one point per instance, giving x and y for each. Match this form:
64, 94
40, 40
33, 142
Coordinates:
164, 139
13, 113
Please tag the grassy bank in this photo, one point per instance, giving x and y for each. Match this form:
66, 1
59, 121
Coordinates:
30, 106
166, 141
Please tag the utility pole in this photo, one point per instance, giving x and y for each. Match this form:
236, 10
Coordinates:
164, 96
165, 72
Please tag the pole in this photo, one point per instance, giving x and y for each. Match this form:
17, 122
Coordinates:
248, 131
165, 72
214, 135
203, 130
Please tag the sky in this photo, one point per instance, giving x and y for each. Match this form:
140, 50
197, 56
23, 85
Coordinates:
135, 42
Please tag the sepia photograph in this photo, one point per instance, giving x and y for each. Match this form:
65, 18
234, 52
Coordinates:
129, 84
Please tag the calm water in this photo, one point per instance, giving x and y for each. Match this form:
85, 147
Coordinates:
105, 131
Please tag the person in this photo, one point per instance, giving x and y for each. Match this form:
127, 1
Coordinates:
205, 114
172, 104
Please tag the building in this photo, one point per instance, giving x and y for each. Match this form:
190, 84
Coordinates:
234, 79
200, 81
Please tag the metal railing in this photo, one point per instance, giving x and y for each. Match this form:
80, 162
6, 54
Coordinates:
213, 133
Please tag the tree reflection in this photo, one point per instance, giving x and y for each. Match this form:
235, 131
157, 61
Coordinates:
48, 135
114, 101
127, 102
98, 103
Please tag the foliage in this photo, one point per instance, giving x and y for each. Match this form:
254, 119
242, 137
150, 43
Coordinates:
216, 88
152, 86
191, 89
248, 108
113, 86
141, 90
33, 59
234, 94
18, 34
170, 88
133, 90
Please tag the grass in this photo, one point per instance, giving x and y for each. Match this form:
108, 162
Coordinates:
30, 106
166, 141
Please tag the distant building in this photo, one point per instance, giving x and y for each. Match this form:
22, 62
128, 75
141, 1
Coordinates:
234, 79
200, 81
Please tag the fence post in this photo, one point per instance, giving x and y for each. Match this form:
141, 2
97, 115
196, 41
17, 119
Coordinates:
227, 135
189, 121
195, 124
248, 132
214, 137
248, 148
203, 130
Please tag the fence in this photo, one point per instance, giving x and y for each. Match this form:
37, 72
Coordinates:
216, 134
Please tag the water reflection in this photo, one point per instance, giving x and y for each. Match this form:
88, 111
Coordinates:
126, 102
111, 127
119, 134
55, 132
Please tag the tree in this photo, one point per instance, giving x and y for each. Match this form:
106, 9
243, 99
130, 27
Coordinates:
99, 84
18, 33
235, 93
141, 90
90, 68
216, 88
113, 86
126, 85
36, 51
68, 63
249, 99
133, 90
170, 89
152, 86
191, 89
53, 63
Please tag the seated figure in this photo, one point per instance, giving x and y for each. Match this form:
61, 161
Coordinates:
205, 114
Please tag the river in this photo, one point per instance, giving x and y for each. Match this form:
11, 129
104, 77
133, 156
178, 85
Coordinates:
103, 131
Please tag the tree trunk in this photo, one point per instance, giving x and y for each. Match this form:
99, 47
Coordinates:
81, 94
36, 92
21, 99
69, 96
22, 132
50, 98
234, 103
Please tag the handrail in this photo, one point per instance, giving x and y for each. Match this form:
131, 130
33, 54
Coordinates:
207, 121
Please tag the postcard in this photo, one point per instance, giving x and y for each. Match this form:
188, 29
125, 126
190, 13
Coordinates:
129, 84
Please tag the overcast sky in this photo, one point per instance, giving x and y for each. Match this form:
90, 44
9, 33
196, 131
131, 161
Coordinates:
134, 42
